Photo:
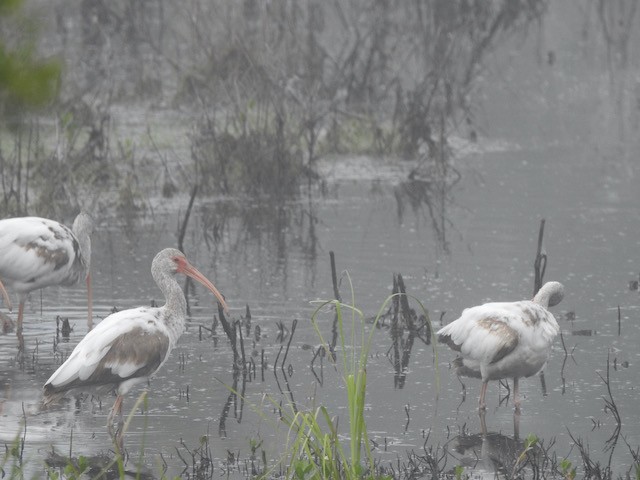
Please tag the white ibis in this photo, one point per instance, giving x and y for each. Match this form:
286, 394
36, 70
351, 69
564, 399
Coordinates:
129, 346
37, 252
502, 340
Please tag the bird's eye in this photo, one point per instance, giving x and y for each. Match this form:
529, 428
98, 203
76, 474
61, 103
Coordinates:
178, 261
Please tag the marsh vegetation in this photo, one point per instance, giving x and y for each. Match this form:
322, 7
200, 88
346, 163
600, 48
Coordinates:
423, 142
252, 95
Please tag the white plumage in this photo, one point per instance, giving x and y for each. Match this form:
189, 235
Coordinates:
128, 347
501, 340
93, 365
37, 252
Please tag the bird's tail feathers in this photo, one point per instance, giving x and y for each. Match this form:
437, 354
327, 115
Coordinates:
446, 339
464, 371
51, 396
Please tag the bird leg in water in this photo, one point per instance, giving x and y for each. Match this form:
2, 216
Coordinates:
19, 327
117, 436
516, 397
5, 296
483, 391
119, 440
483, 423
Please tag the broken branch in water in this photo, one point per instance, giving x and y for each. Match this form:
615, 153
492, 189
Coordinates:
619, 318
540, 263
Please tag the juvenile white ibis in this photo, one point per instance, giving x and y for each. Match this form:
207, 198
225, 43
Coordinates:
37, 252
129, 346
502, 340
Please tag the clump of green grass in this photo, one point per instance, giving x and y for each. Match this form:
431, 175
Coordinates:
567, 469
11, 464
314, 450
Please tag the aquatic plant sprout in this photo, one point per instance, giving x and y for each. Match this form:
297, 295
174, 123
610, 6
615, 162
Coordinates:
313, 449
354, 369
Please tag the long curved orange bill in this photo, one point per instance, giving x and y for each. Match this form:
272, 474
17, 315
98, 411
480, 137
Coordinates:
194, 273
5, 295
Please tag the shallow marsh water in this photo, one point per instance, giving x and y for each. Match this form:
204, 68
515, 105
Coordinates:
542, 156
277, 262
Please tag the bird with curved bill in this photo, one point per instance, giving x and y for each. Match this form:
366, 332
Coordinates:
129, 346
37, 252
502, 340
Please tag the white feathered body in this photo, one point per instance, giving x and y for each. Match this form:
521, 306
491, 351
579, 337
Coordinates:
124, 349
502, 339
38, 252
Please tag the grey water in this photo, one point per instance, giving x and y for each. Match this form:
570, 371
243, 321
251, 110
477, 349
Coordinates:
548, 147
492, 219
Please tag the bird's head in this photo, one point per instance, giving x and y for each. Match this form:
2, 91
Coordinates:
550, 295
173, 261
83, 229
83, 223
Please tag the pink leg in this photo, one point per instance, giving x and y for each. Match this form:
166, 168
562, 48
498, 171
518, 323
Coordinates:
5, 296
516, 396
89, 302
116, 409
19, 327
117, 437
483, 422
483, 391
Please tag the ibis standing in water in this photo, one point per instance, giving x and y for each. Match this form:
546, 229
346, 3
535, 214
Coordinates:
129, 346
504, 339
37, 252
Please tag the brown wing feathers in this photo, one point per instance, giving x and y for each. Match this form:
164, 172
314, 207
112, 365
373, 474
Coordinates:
136, 347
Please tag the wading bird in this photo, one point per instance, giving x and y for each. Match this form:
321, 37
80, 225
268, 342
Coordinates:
502, 340
38, 252
129, 346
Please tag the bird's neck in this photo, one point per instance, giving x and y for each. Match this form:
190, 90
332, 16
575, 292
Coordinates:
175, 305
84, 241
543, 296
